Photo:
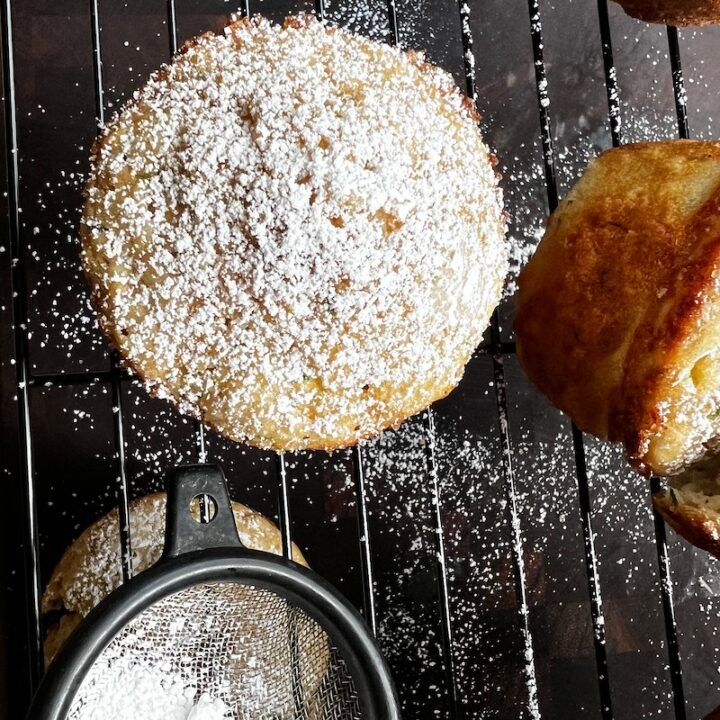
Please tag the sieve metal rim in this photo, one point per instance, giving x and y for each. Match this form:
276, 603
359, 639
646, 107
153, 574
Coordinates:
179, 569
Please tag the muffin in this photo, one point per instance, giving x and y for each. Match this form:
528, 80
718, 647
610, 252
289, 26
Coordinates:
295, 234
90, 568
617, 319
673, 12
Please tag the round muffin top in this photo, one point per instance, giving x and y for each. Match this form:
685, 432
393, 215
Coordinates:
295, 233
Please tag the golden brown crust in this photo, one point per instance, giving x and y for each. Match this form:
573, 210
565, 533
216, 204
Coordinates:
659, 348
614, 308
698, 526
673, 12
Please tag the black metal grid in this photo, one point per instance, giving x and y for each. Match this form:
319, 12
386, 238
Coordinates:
115, 377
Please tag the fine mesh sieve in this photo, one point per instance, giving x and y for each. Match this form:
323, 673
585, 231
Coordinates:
216, 631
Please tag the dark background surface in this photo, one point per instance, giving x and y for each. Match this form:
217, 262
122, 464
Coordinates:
72, 426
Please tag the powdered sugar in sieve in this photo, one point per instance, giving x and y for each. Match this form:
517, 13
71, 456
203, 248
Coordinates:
214, 652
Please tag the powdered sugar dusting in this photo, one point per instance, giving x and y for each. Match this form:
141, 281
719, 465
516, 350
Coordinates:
124, 689
247, 646
75, 473
301, 263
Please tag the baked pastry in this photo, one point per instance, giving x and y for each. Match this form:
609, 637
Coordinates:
296, 234
281, 235
90, 568
618, 318
673, 12
690, 504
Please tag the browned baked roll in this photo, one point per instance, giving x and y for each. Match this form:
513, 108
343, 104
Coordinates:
619, 309
90, 568
674, 12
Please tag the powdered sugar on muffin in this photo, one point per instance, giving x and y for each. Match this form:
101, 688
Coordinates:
296, 234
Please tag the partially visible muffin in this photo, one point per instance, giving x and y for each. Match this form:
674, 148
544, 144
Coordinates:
296, 234
674, 12
618, 318
90, 568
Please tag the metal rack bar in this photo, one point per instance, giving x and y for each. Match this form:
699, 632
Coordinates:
200, 443
19, 313
676, 678
496, 349
393, 19
202, 454
468, 50
172, 26
593, 576
543, 103
364, 539
122, 491
116, 370
299, 698
442, 574
611, 86
515, 528
671, 631
284, 507
678, 83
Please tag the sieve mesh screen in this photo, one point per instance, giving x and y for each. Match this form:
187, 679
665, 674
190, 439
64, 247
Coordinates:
216, 651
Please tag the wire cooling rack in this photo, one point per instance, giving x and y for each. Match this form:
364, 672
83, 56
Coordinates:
462, 642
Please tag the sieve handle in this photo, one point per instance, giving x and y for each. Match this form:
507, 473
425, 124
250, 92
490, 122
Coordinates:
183, 533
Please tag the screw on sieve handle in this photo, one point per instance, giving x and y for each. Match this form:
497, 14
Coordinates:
184, 534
